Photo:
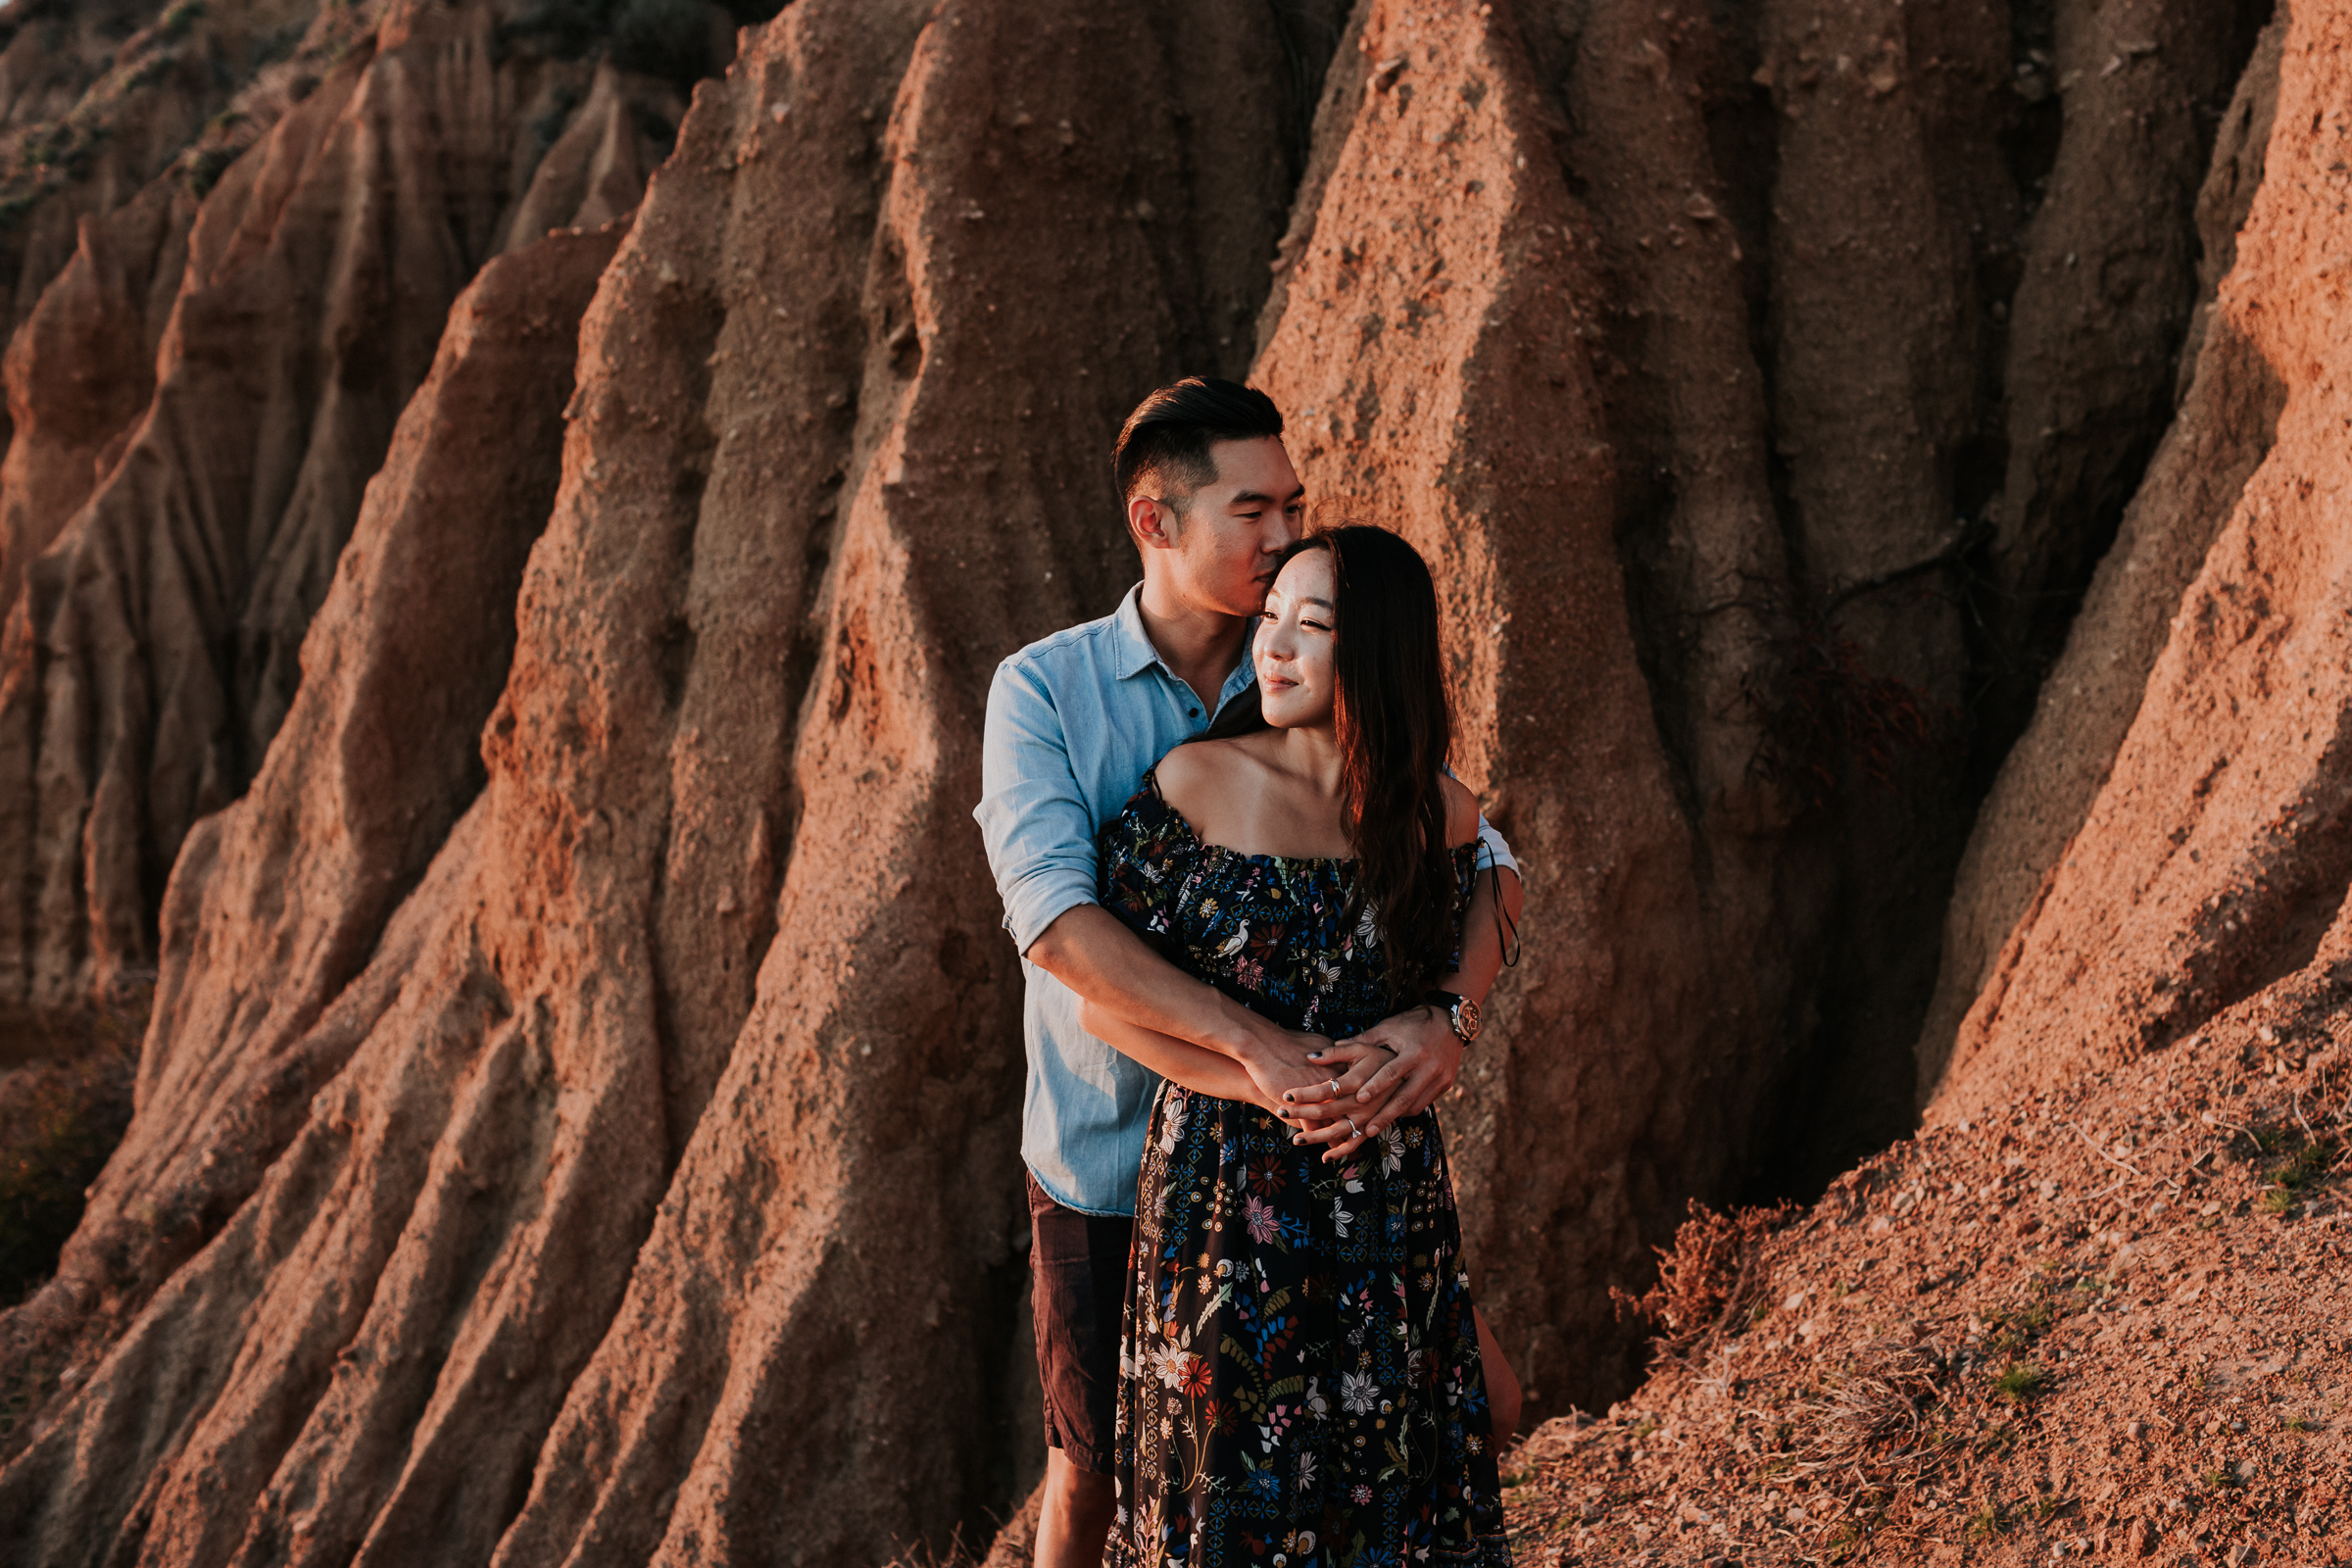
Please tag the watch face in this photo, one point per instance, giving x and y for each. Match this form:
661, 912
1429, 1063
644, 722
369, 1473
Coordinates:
1465, 1019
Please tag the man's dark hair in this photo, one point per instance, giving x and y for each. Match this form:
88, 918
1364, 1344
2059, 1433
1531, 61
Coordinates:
1166, 441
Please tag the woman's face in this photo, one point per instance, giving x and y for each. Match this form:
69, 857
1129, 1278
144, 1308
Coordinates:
1293, 653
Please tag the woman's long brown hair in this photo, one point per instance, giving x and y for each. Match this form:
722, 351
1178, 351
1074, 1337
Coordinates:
1395, 733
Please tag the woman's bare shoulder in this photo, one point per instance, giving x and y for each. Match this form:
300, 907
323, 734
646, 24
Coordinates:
1198, 771
1461, 811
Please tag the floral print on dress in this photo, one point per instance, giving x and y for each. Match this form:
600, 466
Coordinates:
1299, 1380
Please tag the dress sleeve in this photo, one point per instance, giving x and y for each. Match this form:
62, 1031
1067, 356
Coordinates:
1141, 868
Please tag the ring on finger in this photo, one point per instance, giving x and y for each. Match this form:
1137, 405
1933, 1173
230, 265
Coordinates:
1353, 1128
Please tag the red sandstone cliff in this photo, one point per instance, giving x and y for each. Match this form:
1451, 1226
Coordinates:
577, 1119
98, 100
2205, 860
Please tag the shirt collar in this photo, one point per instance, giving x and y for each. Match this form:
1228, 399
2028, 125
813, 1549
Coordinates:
1137, 654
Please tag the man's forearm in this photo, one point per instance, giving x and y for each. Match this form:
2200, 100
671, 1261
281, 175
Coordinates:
1089, 950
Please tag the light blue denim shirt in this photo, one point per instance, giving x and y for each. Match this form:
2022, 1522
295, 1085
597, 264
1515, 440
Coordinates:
1073, 722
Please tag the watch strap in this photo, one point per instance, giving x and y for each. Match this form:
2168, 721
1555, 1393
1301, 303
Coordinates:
1451, 1003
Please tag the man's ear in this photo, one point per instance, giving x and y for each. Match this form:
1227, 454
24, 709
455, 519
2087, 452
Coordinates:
1152, 523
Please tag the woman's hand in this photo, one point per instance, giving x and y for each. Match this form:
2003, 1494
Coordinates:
1327, 1112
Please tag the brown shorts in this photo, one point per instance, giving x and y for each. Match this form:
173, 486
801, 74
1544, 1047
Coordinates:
1078, 1266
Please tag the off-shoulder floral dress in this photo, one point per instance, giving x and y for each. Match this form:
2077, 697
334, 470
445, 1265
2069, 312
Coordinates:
1299, 1371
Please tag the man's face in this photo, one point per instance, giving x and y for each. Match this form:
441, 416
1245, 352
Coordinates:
1233, 526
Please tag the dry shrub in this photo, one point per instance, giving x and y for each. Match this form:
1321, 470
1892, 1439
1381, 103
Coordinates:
61, 1116
1875, 1415
923, 1554
1836, 719
1708, 1278
1872, 1436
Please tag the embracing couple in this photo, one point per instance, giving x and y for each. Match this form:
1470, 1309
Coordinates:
1258, 916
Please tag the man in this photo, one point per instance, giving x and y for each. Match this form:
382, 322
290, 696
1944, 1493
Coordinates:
1073, 722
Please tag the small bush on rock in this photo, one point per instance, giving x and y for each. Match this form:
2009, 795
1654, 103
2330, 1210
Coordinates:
59, 1122
1705, 1277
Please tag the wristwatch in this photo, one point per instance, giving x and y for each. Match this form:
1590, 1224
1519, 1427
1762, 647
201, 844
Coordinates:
1459, 1010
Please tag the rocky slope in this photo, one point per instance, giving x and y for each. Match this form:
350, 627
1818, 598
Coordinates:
2103, 1323
529, 736
782, 376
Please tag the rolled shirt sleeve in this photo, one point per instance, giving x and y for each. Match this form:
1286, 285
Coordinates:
1492, 851
1032, 814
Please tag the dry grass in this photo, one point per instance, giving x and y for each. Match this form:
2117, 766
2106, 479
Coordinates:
1877, 1415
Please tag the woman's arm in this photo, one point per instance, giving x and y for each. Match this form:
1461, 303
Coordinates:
1419, 1054
1480, 958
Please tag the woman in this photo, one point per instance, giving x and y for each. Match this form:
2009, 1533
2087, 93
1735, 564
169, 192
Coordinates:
1301, 1378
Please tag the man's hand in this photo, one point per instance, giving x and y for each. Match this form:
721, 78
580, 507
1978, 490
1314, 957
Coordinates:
1201, 1070
1137, 997
1419, 1054
1303, 1094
